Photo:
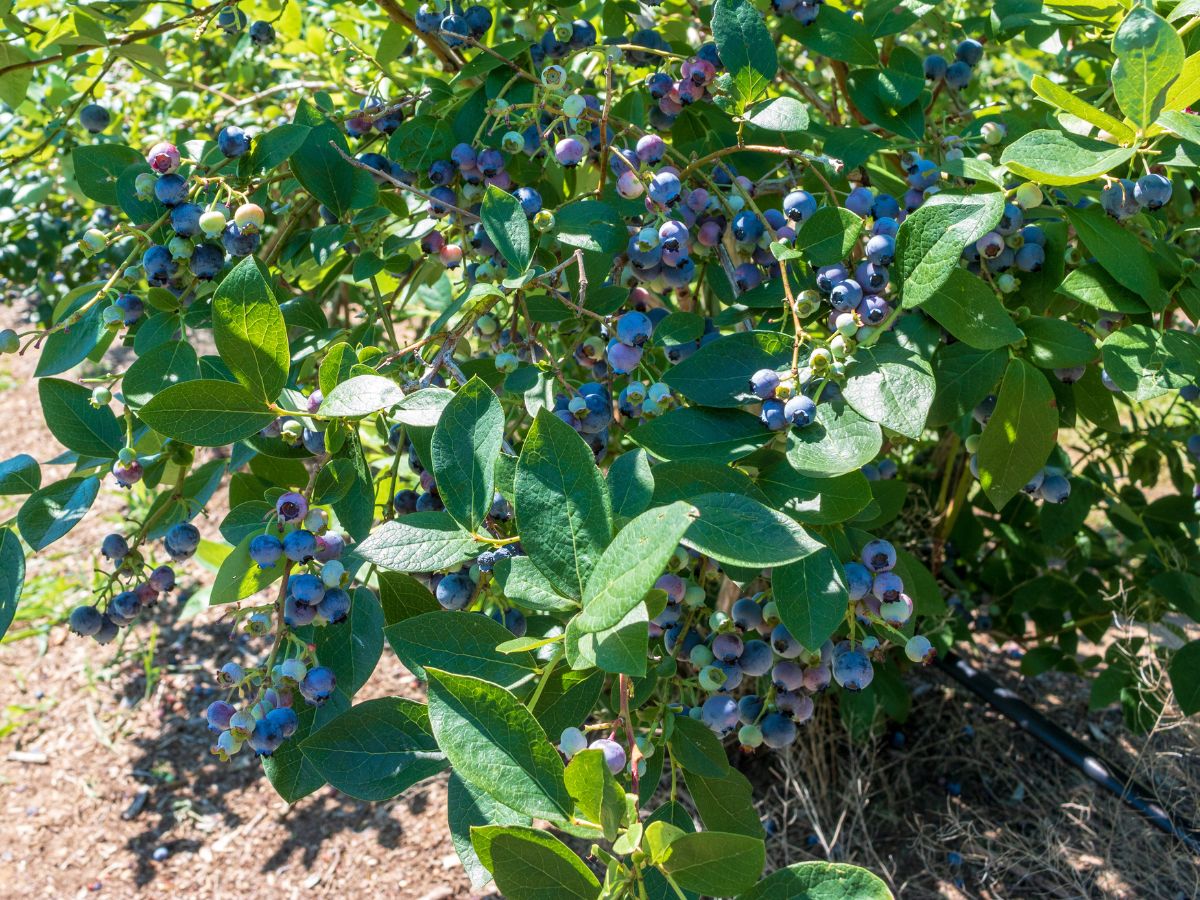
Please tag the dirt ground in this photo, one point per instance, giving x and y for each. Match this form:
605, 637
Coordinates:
107, 787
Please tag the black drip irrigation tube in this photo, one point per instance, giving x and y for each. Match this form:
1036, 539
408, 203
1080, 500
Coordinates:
1070, 748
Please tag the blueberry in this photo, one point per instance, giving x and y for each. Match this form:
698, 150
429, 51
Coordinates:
614, 754
478, 19
163, 158
283, 718
318, 685
859, 201
1056, 488
881, 249
918, 649
795, 705
720, 713
800, 411
261, 34
846, 295
306, 588
132, 307
454, 591
162, 579
405, 502
1152, 191
531, 201
265, 549
231, 20
1030, 258
85, 621
727, 647
239, 241
206, 261
787, 676
664, 187
182, 541
266, 737
114, 547
297, 614
879, 556
572, 741
772, 415
784, 644
158, 264
747, 227
778, 731
852, 668
756, 658
969, 51
232, 141
124, 607
218, 715
300, 546
334, 606
799, 205
746, 614
958, 75
94, 117
749, 708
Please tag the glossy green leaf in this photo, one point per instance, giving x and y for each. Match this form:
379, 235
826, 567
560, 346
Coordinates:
562, 504
838, 441
1060, 158
967, 308
206, 413
464, 644
820, 881
630, 483
468, 808
718, 374
689, 432
375, 750
494, 742
419, 542
506, 225
1020, 434
931, 240
739, 530
361, 396
812, 596
12, 576
465, 444
1149, 56
529, 864
52, 511
715, 863
890, 385
77, 425
249, 330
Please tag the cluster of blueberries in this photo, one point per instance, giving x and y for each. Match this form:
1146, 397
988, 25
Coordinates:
452, 22
1123, 198
267, 718
695, 83
803, 11
957, 75
314, 594
729, 652
123, 607
196, 228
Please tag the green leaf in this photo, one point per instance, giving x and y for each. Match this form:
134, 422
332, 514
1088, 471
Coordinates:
812, 596
467, 808
1184, 670
718, 374
1150, 56
1057, 344
931, 240
361, 396
1139, 362
530, 864
688, 432
567, 699
323, 172
838, 441
631, 564
630, 483
1059, 158
67, 348
423, 408
970, 310
334, 481
964, 376
687, 478
1068, 102
740, 531
619, 649
206, 413
725, 803
375, 750
403, 597
505, 223
524, 584
715, 863
1020, 434
466, 441
97, 168
249, 330
745, 46
598, 798
828, 235
240, 577
819, 881
779, 114
19, 475
14, 84
696, 749
463, 645
1119, 251
590, 225
562, 504
420, 542
814, 501
892, 386
494, 742
272, 148
12, 577
52, 511
68, 412
838, 35
167, 364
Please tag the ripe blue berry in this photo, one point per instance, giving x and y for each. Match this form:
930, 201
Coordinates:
1152, 191
218, 715
756, 658
85, 621
94, 117
778, 731
300, 546
261, 34
800, 411
454, 591
171, 190
614, 754
879, 556
720, 713
182, 541
265, 549
334, 606
318, 685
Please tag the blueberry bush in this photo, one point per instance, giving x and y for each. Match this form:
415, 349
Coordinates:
644, 374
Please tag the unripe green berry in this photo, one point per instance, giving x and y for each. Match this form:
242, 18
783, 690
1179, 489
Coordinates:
700, 656
93, 241
212, 222
9, 342
1029, 196
102, 396
711, 678
750, 736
